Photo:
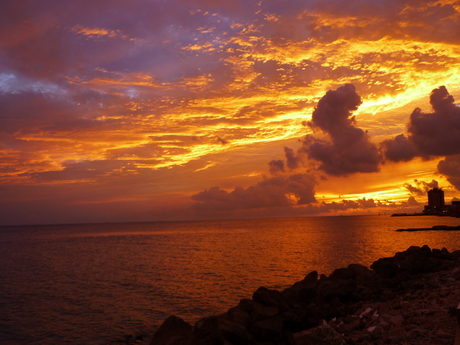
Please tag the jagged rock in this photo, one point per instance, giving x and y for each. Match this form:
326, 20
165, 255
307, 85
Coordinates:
173, 331
425, 248
321, 335
312, 276
270, 298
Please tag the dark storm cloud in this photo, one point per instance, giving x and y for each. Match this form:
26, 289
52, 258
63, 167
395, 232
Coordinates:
347, 149
428, 134
450, 167
271, 192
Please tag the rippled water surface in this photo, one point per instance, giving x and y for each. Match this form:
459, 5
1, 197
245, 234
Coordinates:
90, 284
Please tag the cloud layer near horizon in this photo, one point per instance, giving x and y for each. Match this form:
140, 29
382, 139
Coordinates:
342, 149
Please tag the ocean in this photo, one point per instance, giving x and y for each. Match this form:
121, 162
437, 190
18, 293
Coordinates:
94, 283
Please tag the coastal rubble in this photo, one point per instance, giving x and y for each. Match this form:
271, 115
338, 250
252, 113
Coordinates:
404, 299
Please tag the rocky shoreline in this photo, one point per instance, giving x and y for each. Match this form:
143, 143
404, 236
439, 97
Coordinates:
410, 298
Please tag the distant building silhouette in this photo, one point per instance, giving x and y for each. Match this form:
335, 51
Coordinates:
436, 199
437, 206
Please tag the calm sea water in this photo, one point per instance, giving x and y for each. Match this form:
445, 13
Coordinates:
93, 283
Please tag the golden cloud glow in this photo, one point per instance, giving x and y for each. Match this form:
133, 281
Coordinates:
198, 92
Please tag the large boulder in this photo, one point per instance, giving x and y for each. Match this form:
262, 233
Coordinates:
206, 332
238, 315
257, 311
173, 331
385, 267
341, 288
414, 260
302, 292
362, 274
270, 298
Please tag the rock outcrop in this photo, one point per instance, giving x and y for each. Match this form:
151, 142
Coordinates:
353, 305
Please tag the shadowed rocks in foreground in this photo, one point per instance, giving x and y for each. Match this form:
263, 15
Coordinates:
353, 305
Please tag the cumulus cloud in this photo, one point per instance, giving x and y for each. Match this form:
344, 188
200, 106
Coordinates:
450, 167
437, 133
347, 149
412, 201
276, 166
421, 187
399, 149
292, 161
413, 190
344, 205
428, 134
277, 191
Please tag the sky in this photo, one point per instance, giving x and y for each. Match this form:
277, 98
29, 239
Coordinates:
146, 110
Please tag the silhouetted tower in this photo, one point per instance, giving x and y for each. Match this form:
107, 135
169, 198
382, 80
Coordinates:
436, 199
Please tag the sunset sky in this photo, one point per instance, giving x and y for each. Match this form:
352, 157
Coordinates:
149, 110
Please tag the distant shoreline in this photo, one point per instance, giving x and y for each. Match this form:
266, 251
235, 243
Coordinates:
434, 228
409, 214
